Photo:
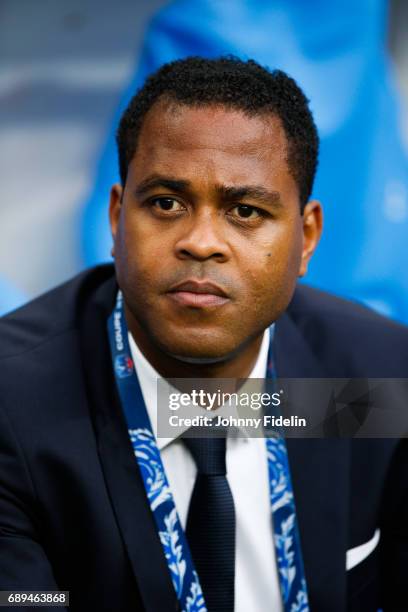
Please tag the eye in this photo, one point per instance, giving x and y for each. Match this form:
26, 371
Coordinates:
244, 211
166, 204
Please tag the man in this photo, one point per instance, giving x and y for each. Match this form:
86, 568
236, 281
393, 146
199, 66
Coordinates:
212, 226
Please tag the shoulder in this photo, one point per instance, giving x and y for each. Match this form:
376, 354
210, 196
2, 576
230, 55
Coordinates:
43, 384
42, 344
50, 316
350, 335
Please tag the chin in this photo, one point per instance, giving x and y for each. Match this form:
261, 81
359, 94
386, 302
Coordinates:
203, 354
199, 360
201, 349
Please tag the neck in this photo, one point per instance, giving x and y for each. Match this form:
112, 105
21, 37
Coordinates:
238, 365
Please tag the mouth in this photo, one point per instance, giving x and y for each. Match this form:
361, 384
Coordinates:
198, 294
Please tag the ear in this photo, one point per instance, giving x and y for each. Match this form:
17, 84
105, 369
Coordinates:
115, 206
312, 230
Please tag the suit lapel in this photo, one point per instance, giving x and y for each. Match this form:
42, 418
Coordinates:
122, 477
319, 470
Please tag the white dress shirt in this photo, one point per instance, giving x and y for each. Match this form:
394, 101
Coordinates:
257, 587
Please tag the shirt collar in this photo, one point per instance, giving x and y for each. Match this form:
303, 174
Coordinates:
148, 376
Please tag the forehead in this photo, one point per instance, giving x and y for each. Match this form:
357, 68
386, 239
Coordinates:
214, 142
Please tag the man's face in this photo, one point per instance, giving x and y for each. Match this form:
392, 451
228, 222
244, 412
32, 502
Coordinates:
208, 235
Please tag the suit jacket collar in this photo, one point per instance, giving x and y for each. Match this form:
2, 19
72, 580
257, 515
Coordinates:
123, 480
321, 495
319, 470
293, 356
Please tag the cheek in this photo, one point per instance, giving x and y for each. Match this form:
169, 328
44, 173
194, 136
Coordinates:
286, 248
133, 269
271, 269
140, 250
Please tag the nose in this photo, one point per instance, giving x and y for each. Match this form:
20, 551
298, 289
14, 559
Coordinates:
203, 238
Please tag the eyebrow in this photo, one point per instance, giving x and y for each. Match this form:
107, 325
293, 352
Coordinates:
156, 180
250, 191
223, 191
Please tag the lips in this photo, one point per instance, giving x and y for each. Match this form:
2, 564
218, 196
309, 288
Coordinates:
198, 294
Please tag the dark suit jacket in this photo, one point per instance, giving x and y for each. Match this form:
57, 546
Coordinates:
73, 513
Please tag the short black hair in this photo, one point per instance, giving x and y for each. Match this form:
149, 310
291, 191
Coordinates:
231, 82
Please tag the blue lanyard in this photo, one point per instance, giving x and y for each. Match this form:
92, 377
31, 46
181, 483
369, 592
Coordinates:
173, 540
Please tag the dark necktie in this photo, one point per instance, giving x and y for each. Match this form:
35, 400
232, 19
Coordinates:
211, 524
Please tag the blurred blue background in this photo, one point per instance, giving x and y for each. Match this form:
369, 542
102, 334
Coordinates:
68, 75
